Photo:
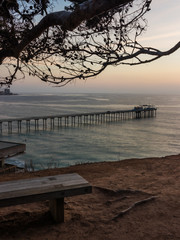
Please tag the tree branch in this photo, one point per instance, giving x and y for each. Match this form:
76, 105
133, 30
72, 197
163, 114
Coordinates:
77, 43
122, 213
145, 51
67, 21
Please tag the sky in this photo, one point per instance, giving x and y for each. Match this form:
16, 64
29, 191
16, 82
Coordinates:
159, 77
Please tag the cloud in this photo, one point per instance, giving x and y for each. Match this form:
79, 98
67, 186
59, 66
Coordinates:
161, 36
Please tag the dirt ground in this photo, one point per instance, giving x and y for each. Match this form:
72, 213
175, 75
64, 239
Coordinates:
132, 200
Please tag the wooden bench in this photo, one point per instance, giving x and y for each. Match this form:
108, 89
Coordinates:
53, 188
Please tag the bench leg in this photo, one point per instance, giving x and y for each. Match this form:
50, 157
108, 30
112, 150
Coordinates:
1, 162
57, 209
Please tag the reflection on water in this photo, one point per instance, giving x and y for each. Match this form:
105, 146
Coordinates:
113, 141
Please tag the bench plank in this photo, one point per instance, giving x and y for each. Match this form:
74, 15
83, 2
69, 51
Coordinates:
26, 187
42, 188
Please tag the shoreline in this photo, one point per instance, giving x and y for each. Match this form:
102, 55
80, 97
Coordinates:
117, 186
47, 171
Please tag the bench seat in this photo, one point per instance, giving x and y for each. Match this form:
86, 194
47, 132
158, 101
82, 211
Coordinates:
53, 188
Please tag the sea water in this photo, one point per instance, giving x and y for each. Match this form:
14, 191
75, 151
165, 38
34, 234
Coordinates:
109, 141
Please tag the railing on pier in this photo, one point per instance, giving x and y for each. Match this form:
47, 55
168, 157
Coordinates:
46, 122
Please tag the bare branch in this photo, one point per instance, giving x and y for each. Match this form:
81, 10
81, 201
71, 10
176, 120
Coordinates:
67, 21
80, 42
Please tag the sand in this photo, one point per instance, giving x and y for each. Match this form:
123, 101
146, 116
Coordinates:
131, 199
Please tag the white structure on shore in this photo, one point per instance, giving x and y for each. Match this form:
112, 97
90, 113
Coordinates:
6, 91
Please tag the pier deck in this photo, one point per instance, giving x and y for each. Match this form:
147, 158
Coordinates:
8, 149
44, 122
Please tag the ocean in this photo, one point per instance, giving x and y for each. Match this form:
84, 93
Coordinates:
110, 141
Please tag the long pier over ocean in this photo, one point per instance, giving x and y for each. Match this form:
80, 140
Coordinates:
49, 122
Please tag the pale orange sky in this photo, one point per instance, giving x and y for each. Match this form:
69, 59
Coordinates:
161, 76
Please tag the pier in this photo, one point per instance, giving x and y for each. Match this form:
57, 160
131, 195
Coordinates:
8, 149
49, 122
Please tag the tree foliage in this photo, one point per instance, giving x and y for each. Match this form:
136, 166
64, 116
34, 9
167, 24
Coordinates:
79, 42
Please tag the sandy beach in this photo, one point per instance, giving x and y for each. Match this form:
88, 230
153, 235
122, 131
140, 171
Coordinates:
132, 200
